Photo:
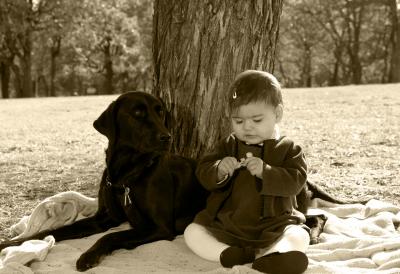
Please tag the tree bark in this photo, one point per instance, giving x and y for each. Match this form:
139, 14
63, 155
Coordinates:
199, 46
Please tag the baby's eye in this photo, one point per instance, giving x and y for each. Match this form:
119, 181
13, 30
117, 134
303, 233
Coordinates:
238, 121
257, 120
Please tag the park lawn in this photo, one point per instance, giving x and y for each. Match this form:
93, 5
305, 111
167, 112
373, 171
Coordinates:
350, 135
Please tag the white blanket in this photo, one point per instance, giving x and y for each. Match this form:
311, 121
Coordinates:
356, 239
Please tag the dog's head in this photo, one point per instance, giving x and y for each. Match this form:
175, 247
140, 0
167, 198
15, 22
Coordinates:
136, 120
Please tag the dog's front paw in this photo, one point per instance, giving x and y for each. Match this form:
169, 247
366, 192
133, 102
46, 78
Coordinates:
87, 260
3, 245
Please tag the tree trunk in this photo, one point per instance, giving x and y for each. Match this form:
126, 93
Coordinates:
55, 51
26, 64
394, 71
199, 47
108, 66
307, 66
5, 80
17, 80
42, 87
354, 22
334, 80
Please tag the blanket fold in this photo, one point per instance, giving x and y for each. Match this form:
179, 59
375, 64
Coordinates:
61, 209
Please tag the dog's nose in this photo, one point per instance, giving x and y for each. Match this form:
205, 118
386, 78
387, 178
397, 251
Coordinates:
164, 137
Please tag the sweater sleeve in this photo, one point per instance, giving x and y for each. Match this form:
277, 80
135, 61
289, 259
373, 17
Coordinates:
288, 178
207, 168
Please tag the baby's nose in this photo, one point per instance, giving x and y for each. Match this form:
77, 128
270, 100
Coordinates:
247, 125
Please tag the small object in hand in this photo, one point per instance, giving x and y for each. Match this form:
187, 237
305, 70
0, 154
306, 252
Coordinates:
241, 162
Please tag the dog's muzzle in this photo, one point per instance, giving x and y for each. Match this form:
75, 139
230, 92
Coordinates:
164, 137
164, 140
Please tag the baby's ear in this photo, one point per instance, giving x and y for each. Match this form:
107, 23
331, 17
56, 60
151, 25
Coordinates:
279, 113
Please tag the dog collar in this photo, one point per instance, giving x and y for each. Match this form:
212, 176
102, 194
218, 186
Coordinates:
127, 199
108, 180
127, 190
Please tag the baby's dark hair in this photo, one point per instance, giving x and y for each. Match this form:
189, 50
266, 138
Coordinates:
254, 86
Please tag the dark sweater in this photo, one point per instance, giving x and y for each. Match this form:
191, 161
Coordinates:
245, 210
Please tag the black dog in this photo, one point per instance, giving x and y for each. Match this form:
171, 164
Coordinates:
156, 192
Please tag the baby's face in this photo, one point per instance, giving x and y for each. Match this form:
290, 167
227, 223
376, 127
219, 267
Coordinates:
255, 122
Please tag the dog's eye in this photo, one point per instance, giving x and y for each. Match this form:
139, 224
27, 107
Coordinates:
159, 111
139, 113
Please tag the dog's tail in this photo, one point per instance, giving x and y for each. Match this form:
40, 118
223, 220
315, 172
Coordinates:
317, 192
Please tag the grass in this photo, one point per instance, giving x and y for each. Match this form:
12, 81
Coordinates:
350, 136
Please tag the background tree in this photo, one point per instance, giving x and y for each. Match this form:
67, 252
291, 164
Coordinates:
299, 48
355, 41
199, 47
74, 45
394, 11
55, 25
67, 47
105, 33
15, 43
110, 46
6, 55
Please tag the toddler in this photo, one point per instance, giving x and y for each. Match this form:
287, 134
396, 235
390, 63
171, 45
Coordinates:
254, 176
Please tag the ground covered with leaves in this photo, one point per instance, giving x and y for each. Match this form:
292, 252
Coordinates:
351, 137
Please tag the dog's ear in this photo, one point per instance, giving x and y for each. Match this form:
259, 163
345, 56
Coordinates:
106, 123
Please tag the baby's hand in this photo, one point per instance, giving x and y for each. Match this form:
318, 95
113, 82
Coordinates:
254, 165
226, 167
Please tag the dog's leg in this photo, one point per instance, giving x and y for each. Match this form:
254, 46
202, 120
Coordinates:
84, 227
79, 229
316, 223
127, 239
